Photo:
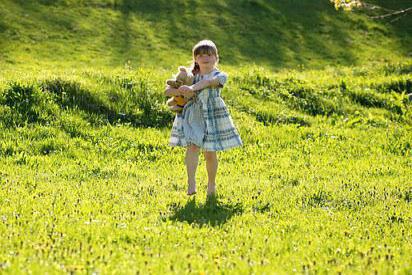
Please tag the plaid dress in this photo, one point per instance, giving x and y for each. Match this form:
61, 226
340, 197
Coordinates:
205, 120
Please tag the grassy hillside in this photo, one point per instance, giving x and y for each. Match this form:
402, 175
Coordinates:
274, 34
90, 185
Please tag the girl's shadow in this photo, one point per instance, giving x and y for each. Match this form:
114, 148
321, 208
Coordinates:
213, 212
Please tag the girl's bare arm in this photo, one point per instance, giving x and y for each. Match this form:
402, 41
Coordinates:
214, 82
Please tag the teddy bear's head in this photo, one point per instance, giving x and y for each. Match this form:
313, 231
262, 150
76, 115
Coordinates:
182, 78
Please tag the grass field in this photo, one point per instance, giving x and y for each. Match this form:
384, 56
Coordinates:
323, 183
270, 34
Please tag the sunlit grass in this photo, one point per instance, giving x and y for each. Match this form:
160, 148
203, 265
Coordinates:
322, 183
89, 183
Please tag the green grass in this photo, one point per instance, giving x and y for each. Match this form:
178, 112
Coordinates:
273, 34
322, 183
89, 183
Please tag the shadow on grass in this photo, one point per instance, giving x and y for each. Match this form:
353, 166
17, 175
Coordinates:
273, 33
71, 95
213, 212
398, 25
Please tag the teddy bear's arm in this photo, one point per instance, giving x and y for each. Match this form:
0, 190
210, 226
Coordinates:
170, 91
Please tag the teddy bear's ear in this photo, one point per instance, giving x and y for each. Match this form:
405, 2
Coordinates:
181, 74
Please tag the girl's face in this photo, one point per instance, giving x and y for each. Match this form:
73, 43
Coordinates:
206, 61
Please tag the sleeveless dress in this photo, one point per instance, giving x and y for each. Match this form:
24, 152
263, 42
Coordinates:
205, 120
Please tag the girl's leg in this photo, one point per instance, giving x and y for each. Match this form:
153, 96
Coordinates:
211, 167
191, 161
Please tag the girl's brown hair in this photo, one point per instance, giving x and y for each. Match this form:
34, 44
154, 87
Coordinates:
203, 47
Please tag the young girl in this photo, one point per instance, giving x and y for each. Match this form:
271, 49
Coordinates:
205, 122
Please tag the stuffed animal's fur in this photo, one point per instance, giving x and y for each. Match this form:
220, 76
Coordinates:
176, 103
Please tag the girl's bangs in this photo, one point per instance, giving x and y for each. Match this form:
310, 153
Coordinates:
204, 49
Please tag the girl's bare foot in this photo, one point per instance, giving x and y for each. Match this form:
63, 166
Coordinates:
211, 189
191, 190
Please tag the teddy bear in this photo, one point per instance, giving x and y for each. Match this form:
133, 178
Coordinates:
176, 103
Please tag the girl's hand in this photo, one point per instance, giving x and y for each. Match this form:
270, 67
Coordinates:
186, 91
